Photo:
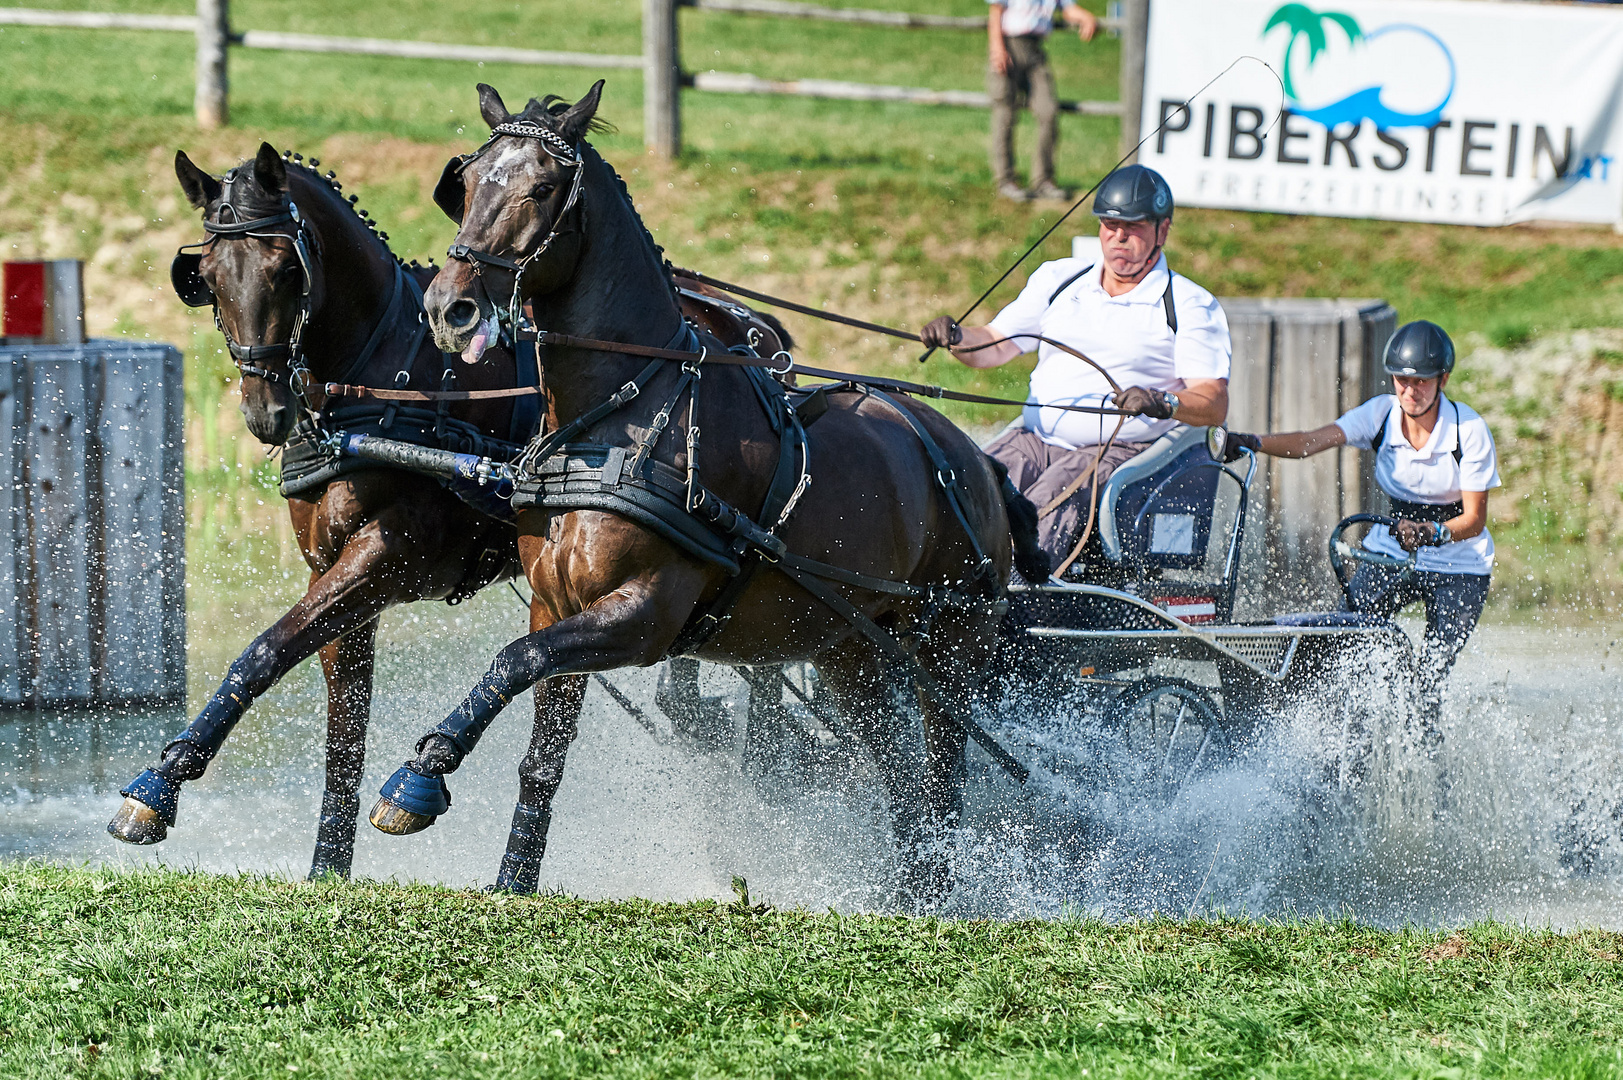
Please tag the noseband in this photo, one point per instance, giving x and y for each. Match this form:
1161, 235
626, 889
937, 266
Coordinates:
564, 154
193, 290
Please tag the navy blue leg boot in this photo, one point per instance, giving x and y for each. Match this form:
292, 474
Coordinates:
416, 794
151, 802
521, 863
335, 835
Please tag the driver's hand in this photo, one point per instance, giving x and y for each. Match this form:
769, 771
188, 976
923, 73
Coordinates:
1141, 402
1238, 442
1414, 535
942, 333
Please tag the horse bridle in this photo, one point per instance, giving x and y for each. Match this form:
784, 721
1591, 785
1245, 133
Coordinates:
564, 154
186, 276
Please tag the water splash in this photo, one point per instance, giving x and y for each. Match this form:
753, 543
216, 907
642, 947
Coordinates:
1531, 830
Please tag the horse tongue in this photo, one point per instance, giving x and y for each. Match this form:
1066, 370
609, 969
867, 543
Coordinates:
480, 342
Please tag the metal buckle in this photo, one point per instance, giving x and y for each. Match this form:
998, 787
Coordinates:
788, 363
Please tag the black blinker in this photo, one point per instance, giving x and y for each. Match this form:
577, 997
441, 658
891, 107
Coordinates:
449, 192
187, 278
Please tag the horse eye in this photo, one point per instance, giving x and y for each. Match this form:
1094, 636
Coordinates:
542, 190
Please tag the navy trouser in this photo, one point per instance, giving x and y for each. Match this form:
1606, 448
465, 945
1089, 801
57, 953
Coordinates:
1453, 606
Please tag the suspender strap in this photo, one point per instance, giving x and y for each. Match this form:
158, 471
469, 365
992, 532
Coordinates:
1166, 297
1459, 452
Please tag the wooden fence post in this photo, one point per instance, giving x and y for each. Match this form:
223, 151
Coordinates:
1135, 36
661, 78
213, 34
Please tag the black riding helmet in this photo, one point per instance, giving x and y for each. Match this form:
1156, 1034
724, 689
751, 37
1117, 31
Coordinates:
1133, 193
1419, 350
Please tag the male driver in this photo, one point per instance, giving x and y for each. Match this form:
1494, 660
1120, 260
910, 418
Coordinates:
1017, 66
1162, 338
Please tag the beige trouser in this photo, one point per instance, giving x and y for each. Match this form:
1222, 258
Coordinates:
1041, 472
1029, 80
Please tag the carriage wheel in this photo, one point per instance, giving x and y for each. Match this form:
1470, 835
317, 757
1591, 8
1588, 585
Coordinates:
1171, 732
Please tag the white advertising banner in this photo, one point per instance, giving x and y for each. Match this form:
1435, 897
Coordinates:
1420, 110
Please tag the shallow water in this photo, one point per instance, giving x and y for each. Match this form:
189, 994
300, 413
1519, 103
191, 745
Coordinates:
1528, 833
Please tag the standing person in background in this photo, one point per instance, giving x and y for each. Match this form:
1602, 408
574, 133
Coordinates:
1018, 69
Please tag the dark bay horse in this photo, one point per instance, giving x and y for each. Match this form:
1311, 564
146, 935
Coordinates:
373, 537
305, 299
539, 205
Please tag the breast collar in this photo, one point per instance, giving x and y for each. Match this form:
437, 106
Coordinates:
564, 154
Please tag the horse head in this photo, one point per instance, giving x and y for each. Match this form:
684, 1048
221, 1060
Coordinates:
520, 206
292, 273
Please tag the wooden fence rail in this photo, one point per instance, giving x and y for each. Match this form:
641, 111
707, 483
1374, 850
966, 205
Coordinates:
660, 61
909, 20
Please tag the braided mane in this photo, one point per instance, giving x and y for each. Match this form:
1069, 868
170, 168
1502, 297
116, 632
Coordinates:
309, 169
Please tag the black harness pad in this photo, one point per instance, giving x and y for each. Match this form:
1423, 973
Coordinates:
589, 476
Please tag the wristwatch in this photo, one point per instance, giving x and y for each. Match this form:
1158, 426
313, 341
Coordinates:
1444, 534
1172, 402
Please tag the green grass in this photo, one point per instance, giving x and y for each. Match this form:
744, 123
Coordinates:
106, 974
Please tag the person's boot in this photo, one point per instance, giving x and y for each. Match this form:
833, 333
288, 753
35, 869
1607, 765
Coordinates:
1012, 191
1048, 191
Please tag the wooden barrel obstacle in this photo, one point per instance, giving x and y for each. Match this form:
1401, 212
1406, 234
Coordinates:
93, 554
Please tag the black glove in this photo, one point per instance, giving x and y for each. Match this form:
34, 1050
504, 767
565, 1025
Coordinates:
1238, 441
942, 333
1413, 535
1142, 402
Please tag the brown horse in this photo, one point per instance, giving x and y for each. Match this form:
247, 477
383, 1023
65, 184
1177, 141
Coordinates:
537, 204
372, 536
304, 299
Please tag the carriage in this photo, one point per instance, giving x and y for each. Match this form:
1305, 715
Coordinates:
1134, 664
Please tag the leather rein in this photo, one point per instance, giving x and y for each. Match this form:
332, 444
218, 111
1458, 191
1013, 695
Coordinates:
784, 369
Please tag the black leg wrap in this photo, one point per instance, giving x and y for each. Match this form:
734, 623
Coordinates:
521, 863
335, 835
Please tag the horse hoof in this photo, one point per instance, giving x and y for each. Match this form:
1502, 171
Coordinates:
409, 802
396, 820
138, 823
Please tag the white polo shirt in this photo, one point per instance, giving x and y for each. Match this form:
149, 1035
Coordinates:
1429, 475
1026, 18
1127, 335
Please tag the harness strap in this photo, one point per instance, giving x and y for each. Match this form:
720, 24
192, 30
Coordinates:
550, 337
922, 677
947, 479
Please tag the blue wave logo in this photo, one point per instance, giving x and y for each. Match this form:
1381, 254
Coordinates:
1413, 54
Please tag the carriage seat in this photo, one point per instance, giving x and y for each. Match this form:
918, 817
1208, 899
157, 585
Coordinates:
1156, 510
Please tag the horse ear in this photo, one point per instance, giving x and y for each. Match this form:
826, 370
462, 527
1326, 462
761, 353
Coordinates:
491, 107
200, 188
577, 119
270, 170
450, 193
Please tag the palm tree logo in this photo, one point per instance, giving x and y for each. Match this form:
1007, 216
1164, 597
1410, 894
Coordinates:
1304, 22
1368, 102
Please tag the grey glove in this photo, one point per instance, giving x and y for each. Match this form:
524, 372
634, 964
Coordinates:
942, 333
1141, 402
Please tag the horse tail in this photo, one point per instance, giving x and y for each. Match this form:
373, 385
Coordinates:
1029, 557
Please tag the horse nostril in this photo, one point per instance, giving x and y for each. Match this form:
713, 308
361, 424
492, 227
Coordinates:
462, 313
